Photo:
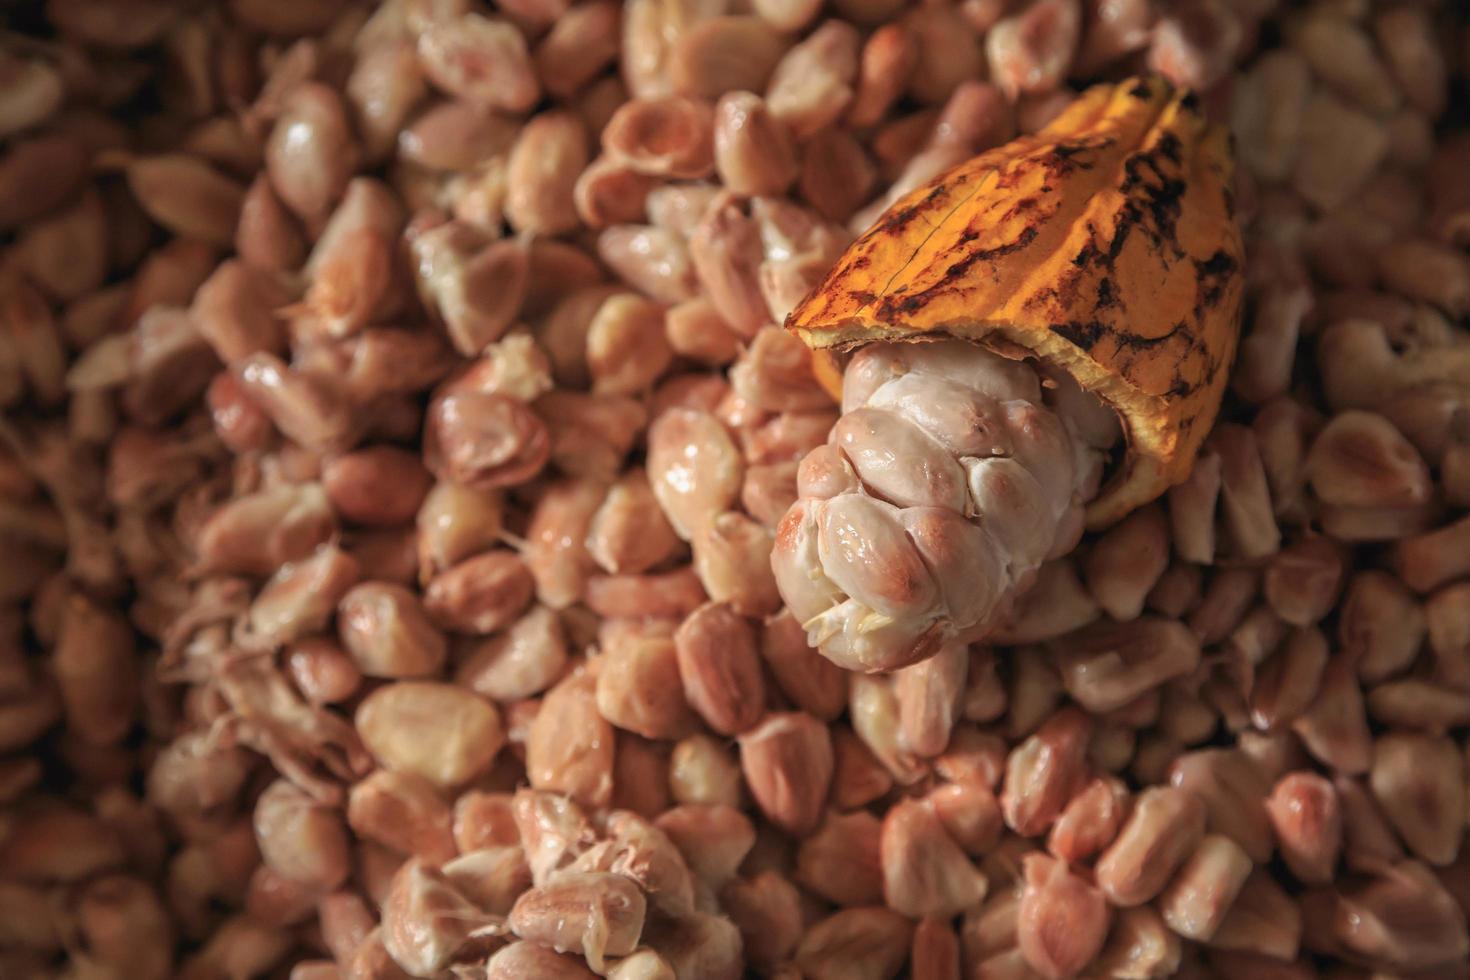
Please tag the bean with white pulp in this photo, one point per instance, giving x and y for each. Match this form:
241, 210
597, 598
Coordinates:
951, 476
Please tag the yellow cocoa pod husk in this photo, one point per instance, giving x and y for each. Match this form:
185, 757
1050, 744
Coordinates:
1106, 244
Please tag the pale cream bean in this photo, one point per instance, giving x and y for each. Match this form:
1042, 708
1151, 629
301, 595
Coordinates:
1044, 772
1164, 828
455, 522
1419, 782
639, 688
1140, 943
379, 485
256, 533
947, 52
812, 85
474, 285
387, 633
1105, 667
693, 467
887, 59
787, 761
924, 870
1304, 579
299, 838
678, 207
666, 595
402, 811
704, 770
837, 175
1205, 887
596, 914
626, 347
1307, 819
696, 330
1126, 562
898, 588
769, 491
863, 942
655, 860
312, 152
754, 154
1401, 917
520, 662
629, 532
1233, 791
189, 197
484, 441
1090, 821
713, 838
484, 821
299, 599
528, 959
720, 668
1245, 498
570, 746
1335, 728
444, 733
812, 682
311, 408
581, 42
653, 260
548, 156
1264, 920
591, 434
726, 251
610, 192
1194, 45
929, 695
321, 670
1192, 510
1030, 51
732, 557
1056, 605
480, 60
874, 440
665, 137
235, 310
842, 859
725, 54
1288, 682
492, 878
385, 86
1381, 625
767, 910
858, 777
1120, 28
455, 136
1062, 921
1360, 460
873, 713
